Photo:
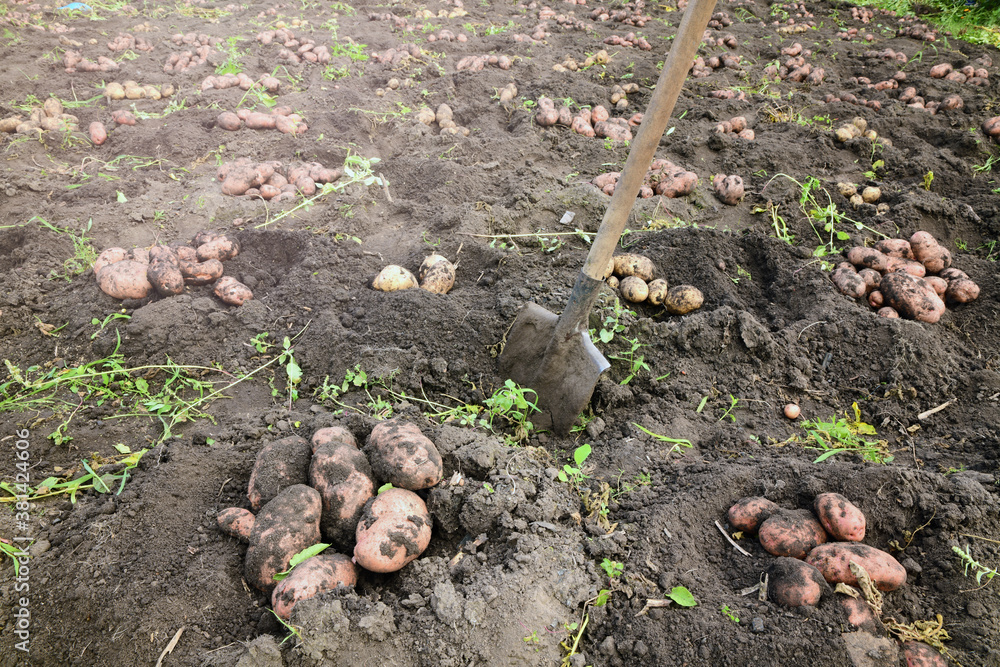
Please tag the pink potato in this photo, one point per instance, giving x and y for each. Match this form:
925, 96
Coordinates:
221, 248
927, 251
236, 522
792, 533
201, 273
333, 434
395, 529
849, 282
841, 519
961, 290
729, 189
108, 256
869, 258
279, 464
402, 455
285, 526
98, 133
875, 299
911, 297
124, 280
919, 654
227, 120
311, 577
938, 284
748, 513
871, 277
231, 291
833, 560
794, 583
343, 477
888, 312
260, 121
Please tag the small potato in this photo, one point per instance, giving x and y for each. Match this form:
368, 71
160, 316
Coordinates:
98, 133
279, 464
393, 278
871, 194
748, 513
333, 434
792, 533
52, 107
342, 475
911, 298
634, 265
683, 299
919, 654
871, 278
633, 289
231, 291
108, 256
794, 583
849, 283
888, 312
961, 290
437, 274
201, 273
729, 189
125, 279
165, 277
227, 120
399, 453
221, 248
841, 519
114, 91
875, 299
833, 561
657, 292
395, 529
313, 576
123, 117
895, 248
237, 522
285, 526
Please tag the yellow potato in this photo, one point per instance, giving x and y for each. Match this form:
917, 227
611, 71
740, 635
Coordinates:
393, 278
682, 299
437, 274
634, 289
634, 265
657, 292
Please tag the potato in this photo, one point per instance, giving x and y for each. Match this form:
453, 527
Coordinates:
394, 530
333, 434
748, 513
140, 255
311, 577
875, 298
236, 522
871, 277
634, 265
108, 256
657, 291
794, 583
285, 526
682, 299
238, 180
114, 91
393, 278
279, 464
911, 298
889, 312
913, 267
676, 183
201, 273
919, 654
729, 189
437, 274
841, 519
221, 248
927, 251
343, 477
867, 257
792, 533
162, 253
633, 289
859, 614
952, 273
98, 133
940, 71
833, 561
961, 290
231, 291
227, 120
938, 284
402, 455
123, 117
165, 277
124, 280
871, 194
991, 126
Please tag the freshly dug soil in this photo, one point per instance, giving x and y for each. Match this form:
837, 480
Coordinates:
516, 553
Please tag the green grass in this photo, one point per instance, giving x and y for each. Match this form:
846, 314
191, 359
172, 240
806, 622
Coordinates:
979, 24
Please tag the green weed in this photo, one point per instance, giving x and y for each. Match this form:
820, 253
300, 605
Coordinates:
677, 443
90, 479
978, 569
84, 253
842, 434
636, 362
574, 475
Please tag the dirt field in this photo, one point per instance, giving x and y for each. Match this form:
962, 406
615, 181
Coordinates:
115, 575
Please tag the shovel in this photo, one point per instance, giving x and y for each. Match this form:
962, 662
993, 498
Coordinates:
554, 355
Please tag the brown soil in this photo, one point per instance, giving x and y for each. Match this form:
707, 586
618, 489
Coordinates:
116, 575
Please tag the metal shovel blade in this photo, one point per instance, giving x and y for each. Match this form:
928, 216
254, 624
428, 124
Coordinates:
562, 370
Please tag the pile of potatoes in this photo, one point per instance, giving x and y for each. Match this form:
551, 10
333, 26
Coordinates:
858, 127
447, 36
296, 49
727, 94
126, 42
75, 62
48, 117
619, 98
131, 90
663, 178
436, 274
795, 68
477, 63
185, 60
631, 14
702, 67
588, 122
444, 117
633, 276
889, 54
243, 81
325, 489
397, 57
736, 125
974, 76
910, 98
911, 279
870, 194
136, 273
727, 40
629, 40
920, 31
282, 119
570, 64
273, 180
814, 548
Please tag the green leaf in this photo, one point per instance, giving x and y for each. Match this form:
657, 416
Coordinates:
384, 487
306, 553
825, 455
562, 476
682, 596
581, 453
121, 197
602, 598
124, 449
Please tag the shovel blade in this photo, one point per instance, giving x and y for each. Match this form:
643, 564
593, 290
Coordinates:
563, 372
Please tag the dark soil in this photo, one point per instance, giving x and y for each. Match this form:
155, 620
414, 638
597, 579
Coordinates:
115, 576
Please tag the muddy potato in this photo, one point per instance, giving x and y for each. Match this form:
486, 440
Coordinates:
841, 518
794, 583
221, 248
928, 252
108, 256
393, 278
344, 479
227, 120
165, 277
991, 126
333, 434
911, 298
612, 282
833, 561
633, 289
961, 290
98, 133
792, 533
888, 312
938, 284
867, 257
871, 194
657, 292
285, 526
231, 291
634, 265
399, 453
436, 274
952, 273
201, 273
871, 278
124, 280
395, 529
140, 255
729, 189
238, 179
875, 299
919, 654
683, 299
748, 513
679, 184
849, 282
236, 522
311, 577
279, 464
